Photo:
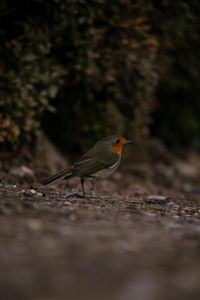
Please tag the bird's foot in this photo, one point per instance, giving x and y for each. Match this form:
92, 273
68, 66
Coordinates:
74, 193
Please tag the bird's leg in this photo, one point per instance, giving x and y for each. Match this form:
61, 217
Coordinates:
82, 185
94, 190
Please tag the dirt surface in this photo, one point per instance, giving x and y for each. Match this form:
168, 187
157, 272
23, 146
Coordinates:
141, 241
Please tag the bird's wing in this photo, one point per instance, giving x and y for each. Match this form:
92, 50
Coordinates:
93, 161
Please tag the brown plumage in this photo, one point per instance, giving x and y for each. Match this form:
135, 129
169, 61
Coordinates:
98, 163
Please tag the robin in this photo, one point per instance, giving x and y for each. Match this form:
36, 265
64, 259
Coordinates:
98, 163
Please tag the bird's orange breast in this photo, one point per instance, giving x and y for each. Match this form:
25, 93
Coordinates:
117, 147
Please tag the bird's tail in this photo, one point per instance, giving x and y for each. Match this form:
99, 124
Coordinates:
67, 173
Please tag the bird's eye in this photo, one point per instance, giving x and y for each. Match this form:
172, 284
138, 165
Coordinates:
117, 141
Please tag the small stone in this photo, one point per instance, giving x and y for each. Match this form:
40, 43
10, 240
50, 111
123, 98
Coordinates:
39, 194
171, 203
27, 170
8, 186
158, 199
150, 214
67, 203
32, 191
21, 171
176, 217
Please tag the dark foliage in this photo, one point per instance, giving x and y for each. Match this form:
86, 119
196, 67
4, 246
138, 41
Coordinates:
96, 69
96, 63
176, 117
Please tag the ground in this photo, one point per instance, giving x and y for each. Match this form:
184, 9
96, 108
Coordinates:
141, 241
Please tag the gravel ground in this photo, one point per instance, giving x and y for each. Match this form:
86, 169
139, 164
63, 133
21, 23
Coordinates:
140, 241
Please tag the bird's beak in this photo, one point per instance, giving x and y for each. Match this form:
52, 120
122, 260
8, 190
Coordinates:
128, 142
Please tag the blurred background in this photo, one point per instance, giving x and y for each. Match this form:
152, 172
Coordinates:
80, 72
72, 72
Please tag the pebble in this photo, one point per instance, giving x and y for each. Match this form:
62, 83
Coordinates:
39, 194
67, 203
158, 199
171, 203
176, 217
149, 214
188, 209
32, 191
8, 186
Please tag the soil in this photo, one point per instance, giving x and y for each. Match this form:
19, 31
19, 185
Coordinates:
141, 240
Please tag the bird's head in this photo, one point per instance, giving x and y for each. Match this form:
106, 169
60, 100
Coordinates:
115, 143
118, 143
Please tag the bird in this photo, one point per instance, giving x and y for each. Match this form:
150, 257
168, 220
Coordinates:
100, 162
